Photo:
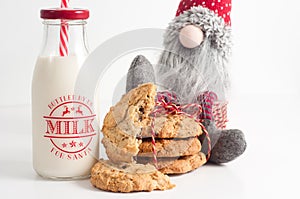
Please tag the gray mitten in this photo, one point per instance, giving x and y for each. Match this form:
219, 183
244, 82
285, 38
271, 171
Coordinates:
141, 71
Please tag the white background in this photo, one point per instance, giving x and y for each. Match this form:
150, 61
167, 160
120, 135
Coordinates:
266, 40
265, 97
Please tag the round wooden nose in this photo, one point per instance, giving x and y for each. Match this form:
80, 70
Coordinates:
191, 36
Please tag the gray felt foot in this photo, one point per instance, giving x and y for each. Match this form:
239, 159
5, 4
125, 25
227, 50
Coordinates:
230, 145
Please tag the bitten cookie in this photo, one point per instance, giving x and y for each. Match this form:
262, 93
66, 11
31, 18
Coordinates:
128, 177
124, 121
173, 126
177, 165
170, 147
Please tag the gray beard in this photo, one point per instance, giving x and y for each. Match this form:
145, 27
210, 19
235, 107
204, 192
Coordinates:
189, 72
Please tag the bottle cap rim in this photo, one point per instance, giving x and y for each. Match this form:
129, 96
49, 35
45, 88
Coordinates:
65, 13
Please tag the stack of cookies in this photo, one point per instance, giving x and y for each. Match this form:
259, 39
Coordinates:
127, 134
122, 124
127, 140
177, 144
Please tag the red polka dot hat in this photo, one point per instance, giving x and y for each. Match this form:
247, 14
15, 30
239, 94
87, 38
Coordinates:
220, 7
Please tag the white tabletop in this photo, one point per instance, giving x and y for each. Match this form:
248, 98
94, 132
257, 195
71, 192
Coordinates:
268, 169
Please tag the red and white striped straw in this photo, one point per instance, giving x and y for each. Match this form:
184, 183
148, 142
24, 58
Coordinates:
64, 33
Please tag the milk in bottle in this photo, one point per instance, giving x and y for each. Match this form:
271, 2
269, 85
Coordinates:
64, 128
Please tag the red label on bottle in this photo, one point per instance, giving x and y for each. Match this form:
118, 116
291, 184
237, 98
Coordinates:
70, 127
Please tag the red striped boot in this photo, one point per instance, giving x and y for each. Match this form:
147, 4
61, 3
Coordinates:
226, 145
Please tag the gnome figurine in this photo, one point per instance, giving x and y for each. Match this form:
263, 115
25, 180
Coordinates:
194, 65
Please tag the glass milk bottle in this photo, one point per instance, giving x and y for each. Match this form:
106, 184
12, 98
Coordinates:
64, 128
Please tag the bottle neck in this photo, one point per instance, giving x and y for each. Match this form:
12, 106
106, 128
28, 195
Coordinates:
75, 40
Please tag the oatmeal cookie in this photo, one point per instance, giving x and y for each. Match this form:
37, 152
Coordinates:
128, 177
177, 165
